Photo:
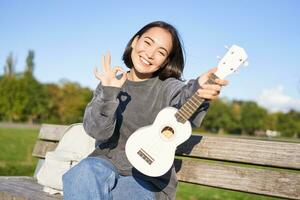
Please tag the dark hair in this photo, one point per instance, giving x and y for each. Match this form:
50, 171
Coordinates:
174, 64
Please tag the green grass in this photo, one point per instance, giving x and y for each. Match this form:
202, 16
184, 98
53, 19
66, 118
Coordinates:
16, 146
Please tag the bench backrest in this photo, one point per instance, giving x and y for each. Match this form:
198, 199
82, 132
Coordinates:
249, 165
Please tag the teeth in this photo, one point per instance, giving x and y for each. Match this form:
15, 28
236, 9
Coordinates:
145, 61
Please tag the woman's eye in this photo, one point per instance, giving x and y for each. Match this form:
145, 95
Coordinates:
148, 43
161, 53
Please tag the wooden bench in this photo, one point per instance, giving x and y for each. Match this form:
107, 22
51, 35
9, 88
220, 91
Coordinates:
254, 166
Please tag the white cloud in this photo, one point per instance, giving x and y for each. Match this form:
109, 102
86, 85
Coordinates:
275, 100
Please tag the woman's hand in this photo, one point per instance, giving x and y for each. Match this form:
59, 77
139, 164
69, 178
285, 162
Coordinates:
208, 91
108, 77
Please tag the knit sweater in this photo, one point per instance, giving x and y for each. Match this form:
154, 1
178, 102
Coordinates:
115, 113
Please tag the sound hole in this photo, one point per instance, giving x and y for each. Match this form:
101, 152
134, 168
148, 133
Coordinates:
168, 132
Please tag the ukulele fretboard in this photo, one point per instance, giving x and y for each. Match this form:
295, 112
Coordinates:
193, 103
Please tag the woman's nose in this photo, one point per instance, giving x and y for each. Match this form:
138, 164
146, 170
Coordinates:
150, 53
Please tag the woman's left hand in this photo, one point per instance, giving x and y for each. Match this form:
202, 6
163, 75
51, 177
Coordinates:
210, 91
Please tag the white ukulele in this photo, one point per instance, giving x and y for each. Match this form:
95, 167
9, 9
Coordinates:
151, 149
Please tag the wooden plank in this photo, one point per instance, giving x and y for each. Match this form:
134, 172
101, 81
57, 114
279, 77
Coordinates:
52, 132
259, 181
269, 153
42, 147
23, 188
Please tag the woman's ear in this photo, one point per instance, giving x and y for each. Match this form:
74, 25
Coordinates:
134, 41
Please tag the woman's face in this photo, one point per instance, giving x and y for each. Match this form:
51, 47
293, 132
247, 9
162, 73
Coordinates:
150, 50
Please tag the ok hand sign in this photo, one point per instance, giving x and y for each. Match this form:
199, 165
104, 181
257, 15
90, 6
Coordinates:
108, 77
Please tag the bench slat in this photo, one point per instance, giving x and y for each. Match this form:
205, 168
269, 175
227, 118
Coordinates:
269, 153
258, 181
23, 188
41, 147
52, 132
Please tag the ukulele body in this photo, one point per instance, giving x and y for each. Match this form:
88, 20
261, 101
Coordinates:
151, 149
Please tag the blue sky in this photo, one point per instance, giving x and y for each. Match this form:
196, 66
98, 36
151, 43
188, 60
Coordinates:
68, 38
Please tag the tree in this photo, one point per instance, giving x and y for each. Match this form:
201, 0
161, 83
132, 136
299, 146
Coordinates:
29, 63
220, 118
9, 67
8, 87
271, 121
67, 102
253, 117
54, 98
289, 123
34, 99
22, 99
73, 102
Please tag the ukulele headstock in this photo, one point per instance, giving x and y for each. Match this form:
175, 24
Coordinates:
232, 60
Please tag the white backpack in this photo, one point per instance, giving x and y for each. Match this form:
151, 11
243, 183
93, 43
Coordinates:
72, 148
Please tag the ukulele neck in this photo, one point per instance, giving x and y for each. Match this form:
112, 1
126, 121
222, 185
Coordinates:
192, 104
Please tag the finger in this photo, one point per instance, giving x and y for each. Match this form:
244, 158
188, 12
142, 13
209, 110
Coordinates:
107, 60
221, 82
97, 74
211, 87
104, 65
212, 70
204, 77
208, 92
118, 69
207, 96
105, 68
124, 76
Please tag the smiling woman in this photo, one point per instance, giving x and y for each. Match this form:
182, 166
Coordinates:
157, 44
149, 53
122, 104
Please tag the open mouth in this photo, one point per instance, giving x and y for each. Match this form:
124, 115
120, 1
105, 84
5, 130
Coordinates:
144, 61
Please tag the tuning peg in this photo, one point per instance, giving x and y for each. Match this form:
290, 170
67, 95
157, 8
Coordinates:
226, 47
246, 63
236, 72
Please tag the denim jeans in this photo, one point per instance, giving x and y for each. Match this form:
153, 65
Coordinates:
96, 178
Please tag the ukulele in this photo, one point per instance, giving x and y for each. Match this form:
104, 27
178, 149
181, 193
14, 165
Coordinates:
151, 149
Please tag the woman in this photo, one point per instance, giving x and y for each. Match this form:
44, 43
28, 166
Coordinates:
122, 104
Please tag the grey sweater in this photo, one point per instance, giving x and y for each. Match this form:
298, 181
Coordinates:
115, 113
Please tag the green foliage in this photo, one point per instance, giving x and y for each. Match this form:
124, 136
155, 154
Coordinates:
246, 117
67, 102
35, 99
221, 117
7, 87
23, 98
289, 124
253, 117
29, 63
9, 68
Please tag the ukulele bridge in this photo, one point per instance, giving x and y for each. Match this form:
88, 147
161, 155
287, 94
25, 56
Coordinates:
143, 154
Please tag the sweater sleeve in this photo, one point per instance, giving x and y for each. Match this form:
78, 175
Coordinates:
179, 92
100, 114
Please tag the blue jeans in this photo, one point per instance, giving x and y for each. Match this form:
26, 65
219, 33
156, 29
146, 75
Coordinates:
96, 178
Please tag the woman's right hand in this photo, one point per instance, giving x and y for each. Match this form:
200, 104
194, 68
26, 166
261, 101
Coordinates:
108, 77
